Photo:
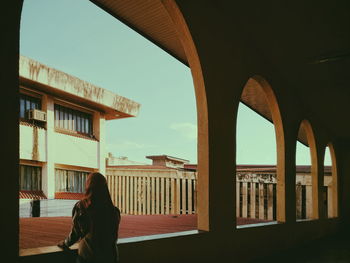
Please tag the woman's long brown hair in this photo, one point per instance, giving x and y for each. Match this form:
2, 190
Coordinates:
96, 191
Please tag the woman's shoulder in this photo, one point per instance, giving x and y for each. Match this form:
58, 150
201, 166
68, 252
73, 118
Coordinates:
79, 206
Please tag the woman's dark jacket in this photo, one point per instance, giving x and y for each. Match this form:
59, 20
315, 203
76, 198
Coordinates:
97, 230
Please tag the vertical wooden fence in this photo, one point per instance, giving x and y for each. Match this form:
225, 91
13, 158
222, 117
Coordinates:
152, 193
142, 192
256, 200
256, 195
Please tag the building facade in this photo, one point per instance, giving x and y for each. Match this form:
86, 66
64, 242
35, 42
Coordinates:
62, 130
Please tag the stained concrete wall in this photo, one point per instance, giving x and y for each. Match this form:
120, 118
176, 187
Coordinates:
32, 143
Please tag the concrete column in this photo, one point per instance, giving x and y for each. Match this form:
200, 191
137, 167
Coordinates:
102, 146
298, 203
334, 186
252, 199
309, 207
270, 202
330, 201
245, 200
261, 201
99, 129
48, 169
237, 198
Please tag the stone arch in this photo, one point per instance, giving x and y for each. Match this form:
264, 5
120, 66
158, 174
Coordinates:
257, 93
187, 42
306, 136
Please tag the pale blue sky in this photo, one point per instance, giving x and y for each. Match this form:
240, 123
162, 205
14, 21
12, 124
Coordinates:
80, 39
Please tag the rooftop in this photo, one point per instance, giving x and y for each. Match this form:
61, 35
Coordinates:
141, 167
168, 158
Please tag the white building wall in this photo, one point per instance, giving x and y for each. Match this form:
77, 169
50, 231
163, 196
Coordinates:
51, 147
32, 143
48, 207
72, 150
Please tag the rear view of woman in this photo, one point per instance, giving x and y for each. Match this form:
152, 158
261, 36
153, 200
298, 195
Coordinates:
95, 224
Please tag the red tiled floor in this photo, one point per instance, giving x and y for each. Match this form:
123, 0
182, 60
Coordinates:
48, 231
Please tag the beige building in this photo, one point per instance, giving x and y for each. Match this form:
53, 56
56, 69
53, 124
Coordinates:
62, 130
167, 186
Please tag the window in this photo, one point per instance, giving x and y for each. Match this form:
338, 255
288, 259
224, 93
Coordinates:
29, 178
28, 103
73, 120
70, 181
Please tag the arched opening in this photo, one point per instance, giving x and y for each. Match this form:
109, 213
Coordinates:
260, 160
330, 183
81, 119
306, 173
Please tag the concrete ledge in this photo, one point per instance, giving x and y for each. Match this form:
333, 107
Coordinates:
259, 224
58, 82
158, 236
43, 250
54, 249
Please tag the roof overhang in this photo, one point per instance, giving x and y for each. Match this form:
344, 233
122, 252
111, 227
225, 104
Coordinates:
73, 89
314, 56
151, 20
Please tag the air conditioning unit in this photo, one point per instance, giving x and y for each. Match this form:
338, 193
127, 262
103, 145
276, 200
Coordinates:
37, 115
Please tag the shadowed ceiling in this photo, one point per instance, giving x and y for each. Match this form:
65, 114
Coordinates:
311, 41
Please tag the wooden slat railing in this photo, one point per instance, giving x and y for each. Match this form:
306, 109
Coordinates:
153, 193
141, 192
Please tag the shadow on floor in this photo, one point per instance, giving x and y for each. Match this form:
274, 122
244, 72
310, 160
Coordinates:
332, 249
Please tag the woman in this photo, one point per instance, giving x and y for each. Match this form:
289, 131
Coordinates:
95, 224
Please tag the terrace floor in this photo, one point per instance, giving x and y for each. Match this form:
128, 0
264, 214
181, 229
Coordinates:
48, 231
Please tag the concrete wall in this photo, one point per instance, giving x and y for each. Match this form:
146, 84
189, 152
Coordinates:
48, 207
71, 150
32, 143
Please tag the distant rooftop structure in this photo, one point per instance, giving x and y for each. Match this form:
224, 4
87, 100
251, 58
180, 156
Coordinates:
61, 84
168, 161
121, 160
